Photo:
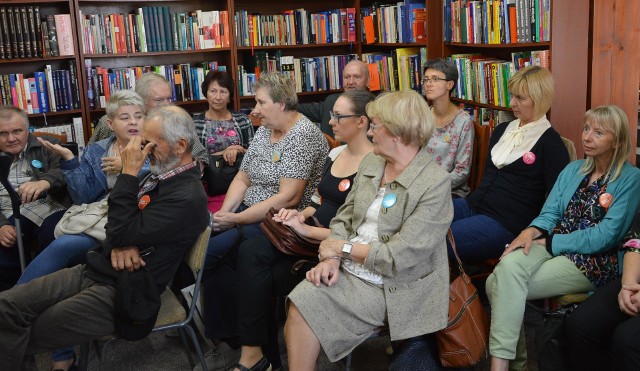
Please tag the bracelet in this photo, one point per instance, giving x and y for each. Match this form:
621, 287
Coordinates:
332, 257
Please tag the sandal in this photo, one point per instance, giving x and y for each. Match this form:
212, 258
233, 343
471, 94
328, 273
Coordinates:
261, 365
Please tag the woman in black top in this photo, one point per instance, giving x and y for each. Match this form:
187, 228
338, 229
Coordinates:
526, 156
262, 271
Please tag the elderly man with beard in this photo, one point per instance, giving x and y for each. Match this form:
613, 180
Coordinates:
151, 223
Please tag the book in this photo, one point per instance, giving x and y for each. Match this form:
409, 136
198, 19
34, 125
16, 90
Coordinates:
13, 34
50, 88
34, 94
37, 22
64, 34
32, 31
74, 89
6, 39
26, 38
52, 36
41, 89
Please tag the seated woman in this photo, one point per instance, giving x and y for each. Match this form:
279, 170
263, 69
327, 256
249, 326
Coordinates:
452, 141
377, 266
89, 180
263, 272
571, 246
526, 156
221, 131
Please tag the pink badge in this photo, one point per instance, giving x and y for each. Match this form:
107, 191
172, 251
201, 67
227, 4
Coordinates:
605, 200
529, 158
231, 133
344, 185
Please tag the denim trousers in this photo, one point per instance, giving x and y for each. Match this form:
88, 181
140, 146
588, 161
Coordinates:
64, 252
477, 236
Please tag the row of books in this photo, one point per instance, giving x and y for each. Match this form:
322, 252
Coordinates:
184, 78
399, 70
74, 132
488, 116
154, 29
46, 91
497, 21
25, 34
309, 74
404, 22
484, 79
295, 27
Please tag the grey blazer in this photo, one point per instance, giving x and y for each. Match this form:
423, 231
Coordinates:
411, 251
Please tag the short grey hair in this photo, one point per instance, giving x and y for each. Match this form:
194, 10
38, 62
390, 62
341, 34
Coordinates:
7, 112
281, 89
143, 84
123, 98
176, 124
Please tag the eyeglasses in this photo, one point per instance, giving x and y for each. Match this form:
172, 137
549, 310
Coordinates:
337, 117
434, 79
373, 126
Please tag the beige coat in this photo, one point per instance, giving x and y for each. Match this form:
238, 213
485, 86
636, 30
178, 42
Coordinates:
411, 253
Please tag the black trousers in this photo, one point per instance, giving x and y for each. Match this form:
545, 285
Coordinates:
600, 336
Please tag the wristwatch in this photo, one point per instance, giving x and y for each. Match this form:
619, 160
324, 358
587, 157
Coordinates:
346, 250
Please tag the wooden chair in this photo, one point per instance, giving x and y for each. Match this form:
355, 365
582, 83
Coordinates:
333, 143
480, 151
43, 134
172, 314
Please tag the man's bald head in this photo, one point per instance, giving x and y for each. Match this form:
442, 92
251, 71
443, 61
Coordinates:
355, 76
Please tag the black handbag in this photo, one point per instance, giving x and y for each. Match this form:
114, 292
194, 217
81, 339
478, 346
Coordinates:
219, 174
551, 343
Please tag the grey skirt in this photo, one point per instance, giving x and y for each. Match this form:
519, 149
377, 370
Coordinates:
341, 316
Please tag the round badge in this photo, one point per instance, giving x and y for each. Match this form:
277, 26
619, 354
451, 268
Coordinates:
389, 200
275, 155
446, 137
37, 164
344, 185
529, 158
144, 201
605, 200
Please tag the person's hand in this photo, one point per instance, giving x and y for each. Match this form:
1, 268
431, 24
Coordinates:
329, 248
134, 155
286, 214
230, 154
126, 258
524, 240
63, 152
626, 298
112, 165
30, 191
297, 224
326, 272
8, 235
223, 220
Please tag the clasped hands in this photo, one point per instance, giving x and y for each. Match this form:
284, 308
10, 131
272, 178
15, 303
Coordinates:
328, 270
629, 299
126, 258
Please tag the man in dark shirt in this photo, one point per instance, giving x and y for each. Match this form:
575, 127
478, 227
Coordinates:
355, 75
160, 218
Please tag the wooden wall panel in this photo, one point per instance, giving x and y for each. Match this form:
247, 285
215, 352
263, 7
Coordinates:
570, 67
615, 64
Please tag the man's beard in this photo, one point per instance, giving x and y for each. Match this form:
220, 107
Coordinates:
169, 164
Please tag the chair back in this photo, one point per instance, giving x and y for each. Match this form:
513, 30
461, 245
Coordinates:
61, 137
333, 143
480, 152
571, 148
196, 254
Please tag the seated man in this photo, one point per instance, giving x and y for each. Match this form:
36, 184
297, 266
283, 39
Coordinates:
34, 170
159, 218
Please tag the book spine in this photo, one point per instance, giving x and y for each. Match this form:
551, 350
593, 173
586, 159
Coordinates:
73, 85
63, 31
41, 88
53, 107
128, 33
52, 36
11, 20
31, 82
37, 22
26, 38
4, 23
17, 24
33, 31
22, 98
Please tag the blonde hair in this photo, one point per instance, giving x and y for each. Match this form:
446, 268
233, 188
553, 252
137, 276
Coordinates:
123, 98
614, 119
405, 114
537, 83
281, 89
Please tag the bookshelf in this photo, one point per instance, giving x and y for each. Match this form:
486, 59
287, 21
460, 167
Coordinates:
17, 64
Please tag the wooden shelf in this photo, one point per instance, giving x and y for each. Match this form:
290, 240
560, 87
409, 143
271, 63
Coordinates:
40, 60
151, 54
394, 45
302, 46
58, 113
543, 45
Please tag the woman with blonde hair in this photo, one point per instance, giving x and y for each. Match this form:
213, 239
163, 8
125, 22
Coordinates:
526, 156
571, 246
378, 267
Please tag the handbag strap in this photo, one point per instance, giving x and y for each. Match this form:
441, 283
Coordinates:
452, 241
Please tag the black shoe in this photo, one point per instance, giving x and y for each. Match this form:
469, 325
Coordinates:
261, 365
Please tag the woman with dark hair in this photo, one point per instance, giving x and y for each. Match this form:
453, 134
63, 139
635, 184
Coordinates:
221, 131
452, 141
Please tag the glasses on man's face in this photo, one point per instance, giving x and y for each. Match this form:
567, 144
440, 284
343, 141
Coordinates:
334, 116
433, 79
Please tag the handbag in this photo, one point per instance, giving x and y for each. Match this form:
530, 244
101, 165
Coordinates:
551, 344
219, 174
463, 343
89, 219
285, 239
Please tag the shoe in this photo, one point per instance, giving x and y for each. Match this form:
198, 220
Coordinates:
261, 365
72, 367
221, 357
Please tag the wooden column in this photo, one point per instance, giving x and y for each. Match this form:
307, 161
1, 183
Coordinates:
615, 64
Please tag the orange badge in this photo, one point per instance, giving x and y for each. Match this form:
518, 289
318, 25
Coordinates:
605, 200
143, 202
344, 185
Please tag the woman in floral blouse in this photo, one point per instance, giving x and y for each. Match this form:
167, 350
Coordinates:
570, 247
221, 131
452, 140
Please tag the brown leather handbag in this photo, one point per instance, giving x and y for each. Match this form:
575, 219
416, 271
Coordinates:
463, 343
285, 239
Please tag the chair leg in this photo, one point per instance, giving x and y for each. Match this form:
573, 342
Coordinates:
347, 366
185, 345
197, 347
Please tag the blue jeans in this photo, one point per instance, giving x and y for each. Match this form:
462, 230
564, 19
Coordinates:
477, 236
64, 252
